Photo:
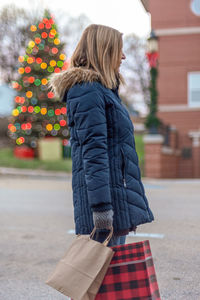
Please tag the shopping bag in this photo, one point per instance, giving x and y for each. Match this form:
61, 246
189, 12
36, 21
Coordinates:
131, 274
80, 272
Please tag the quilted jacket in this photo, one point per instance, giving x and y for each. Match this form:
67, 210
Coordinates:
105, 170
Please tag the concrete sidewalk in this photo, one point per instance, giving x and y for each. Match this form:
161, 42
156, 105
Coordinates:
33, 173
36, 227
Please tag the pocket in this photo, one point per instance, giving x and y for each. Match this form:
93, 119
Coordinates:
123, 166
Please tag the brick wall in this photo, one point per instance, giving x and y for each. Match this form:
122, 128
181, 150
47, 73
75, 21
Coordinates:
172, 13
161, 162
178, 55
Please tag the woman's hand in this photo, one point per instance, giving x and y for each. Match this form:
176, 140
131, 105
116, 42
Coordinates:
103, 219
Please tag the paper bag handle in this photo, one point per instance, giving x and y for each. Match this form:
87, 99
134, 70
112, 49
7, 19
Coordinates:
107, 240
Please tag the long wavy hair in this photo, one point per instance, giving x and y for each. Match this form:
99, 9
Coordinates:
100, 49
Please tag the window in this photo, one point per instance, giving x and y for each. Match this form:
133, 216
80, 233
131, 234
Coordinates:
194, 89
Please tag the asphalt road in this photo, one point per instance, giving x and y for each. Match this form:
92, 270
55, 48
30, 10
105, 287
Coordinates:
36, 223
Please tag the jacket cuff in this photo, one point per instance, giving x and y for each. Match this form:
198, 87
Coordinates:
102, 207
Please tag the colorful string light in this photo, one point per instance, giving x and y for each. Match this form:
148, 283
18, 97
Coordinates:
42, 58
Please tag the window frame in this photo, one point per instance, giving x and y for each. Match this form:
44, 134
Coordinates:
189, 101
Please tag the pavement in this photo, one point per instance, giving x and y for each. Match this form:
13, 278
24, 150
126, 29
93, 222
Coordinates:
36, 227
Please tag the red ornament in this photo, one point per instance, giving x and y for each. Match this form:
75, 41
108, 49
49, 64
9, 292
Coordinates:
57, 112
31, 79
38, 60
23, 108
66, 64
45, 20
27, 70
57, 70
65, 142
41, 25
63, 123
152, 58
28, 126
50, 95
37, 40
51, 35
44, 35
22, 100
15, 85
54, 50
51, 21
48, 25
63, 110
30, 109
17, 99
23, 126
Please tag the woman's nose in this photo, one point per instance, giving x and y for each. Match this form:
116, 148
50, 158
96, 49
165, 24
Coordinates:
123, 56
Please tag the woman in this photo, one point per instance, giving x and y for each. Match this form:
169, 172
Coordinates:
106, 180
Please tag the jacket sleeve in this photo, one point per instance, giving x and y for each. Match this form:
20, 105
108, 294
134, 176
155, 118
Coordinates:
91, 129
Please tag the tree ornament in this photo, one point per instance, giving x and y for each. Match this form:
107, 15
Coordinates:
41, 26
21, 70
44, 35
31, 44
43, 65
27, 70
33, 28
20, 59
37, 111
62, 56
56, 41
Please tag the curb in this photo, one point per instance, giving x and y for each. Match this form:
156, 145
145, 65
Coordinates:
34, 173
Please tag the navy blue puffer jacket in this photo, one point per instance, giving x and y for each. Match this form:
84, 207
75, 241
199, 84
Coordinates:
105, 171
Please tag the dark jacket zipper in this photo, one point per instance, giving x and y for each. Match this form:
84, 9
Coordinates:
123, 167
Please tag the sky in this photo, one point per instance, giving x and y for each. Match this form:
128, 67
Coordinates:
128, 16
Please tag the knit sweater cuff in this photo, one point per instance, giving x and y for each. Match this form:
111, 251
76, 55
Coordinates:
101, 207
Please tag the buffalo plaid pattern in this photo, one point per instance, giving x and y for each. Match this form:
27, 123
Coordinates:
131, 274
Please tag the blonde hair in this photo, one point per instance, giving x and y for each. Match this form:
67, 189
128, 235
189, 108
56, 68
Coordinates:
100, 49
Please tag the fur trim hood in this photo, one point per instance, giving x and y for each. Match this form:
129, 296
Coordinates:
60, 83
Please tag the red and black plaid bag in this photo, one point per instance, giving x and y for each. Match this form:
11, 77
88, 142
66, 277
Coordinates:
131, 274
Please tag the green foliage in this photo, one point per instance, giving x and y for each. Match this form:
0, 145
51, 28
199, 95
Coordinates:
7, 159
152, 119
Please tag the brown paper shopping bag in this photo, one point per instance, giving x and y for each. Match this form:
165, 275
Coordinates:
80, 272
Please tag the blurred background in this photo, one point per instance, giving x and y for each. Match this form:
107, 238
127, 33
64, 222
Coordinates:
37, 39
161, 72
161, 41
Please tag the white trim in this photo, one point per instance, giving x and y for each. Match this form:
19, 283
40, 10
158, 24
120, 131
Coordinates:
195, 135
153, 139
148, 235
170, 151
167, 150
176, 108
177, 31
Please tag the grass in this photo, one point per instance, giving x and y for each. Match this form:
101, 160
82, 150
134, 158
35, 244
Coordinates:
7, 159
139, 144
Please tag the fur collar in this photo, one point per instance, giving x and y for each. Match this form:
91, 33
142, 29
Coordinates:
60, 83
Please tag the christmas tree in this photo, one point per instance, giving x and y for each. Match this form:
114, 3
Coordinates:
37, 112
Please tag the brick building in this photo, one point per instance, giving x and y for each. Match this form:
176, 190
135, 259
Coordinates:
177, 25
